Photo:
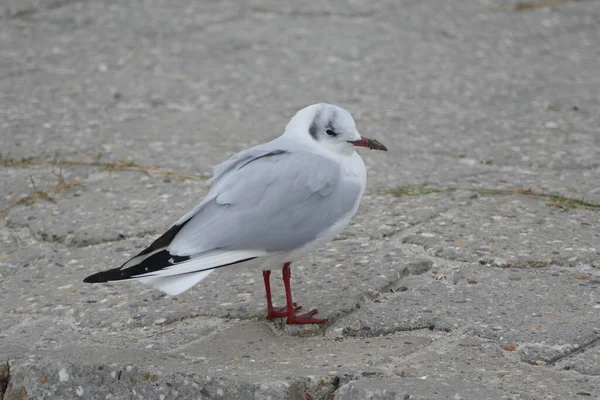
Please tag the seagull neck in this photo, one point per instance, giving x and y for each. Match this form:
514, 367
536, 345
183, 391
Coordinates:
336, 150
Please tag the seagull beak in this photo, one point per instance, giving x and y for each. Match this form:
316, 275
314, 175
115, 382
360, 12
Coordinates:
370, 143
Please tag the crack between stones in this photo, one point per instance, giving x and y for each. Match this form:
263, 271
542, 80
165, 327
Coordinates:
377, 296
581, 348
4, 379
303, 387
201, 28
366, 297
552, 199
21, 72
35, 10
518, 264
388, 332
312, 14
337, 383
418, 223
70, 242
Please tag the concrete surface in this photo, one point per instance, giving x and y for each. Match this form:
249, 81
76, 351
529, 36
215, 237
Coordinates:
471, 271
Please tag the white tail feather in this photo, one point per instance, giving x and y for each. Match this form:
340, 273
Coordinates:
178, 278
174, 285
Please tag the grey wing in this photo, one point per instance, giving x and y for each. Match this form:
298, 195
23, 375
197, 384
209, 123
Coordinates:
227, 167
275, 201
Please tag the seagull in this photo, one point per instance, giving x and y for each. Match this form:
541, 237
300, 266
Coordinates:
268, 206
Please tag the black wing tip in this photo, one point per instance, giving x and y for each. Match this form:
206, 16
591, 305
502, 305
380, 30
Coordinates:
152, 263
105, 276
96, 278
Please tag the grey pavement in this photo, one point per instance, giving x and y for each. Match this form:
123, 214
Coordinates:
471, 271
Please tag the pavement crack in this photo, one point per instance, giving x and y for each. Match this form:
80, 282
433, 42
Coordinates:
336, 382
4, 378
38, 195
323, 388
552, 199
350, 333
67, 241
313, 14
239, 15
532, 5
117, 165
19, 73
27, 12
73, 241
580, 349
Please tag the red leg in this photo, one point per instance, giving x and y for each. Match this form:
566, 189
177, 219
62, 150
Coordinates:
292, 318
273, 313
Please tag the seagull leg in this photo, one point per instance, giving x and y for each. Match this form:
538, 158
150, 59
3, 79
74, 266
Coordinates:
273, 313
292, 318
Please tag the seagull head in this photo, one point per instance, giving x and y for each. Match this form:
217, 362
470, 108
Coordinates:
331, 127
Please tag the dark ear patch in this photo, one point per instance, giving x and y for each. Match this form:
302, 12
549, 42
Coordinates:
314, 128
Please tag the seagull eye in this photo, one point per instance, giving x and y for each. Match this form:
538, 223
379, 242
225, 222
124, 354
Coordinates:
330, 132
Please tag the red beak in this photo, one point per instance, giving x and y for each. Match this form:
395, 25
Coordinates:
370, 143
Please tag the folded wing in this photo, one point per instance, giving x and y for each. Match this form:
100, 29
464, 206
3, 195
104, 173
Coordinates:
263, 201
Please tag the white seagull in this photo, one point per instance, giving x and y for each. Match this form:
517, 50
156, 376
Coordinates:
269, 206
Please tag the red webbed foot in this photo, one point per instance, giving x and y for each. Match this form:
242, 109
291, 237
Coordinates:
304, 319
280, 312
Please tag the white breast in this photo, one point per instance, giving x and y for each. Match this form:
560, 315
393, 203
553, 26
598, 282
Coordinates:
353, 168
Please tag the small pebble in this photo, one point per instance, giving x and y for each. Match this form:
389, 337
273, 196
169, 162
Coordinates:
160, 321
581, 276
583, 267
510, 347
499, 262
63, 375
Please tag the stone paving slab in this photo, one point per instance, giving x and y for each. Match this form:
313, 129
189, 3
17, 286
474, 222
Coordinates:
238, 354
470, 369
545, 314
109, 206
515, 230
